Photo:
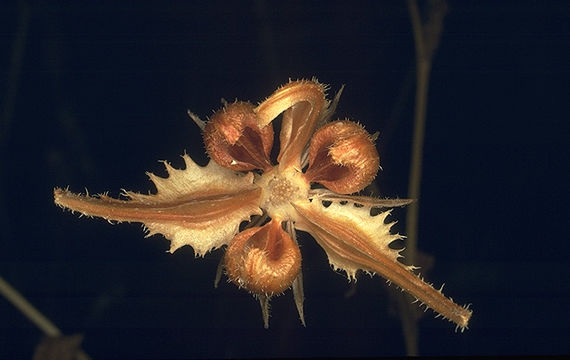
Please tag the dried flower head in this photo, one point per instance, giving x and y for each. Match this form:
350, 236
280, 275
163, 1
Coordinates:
204, 206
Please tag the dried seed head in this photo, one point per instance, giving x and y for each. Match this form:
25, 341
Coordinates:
264, 260
235, 141
342, 157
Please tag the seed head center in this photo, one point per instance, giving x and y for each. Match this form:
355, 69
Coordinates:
280, 189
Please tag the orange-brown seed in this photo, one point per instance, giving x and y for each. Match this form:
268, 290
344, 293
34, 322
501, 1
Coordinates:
235, 141
264, 260
342, 157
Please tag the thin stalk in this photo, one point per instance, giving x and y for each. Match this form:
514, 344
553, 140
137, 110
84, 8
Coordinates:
36, 317
27, 309
426, 40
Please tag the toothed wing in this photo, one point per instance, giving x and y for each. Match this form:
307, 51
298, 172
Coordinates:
354, 240
197, 206
346, 229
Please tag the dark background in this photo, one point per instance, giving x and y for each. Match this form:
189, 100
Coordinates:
93, 95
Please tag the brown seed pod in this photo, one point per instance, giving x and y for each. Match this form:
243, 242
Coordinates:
235, 141
342, 157
264, 260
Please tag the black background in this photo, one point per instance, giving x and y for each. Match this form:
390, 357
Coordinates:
92, 95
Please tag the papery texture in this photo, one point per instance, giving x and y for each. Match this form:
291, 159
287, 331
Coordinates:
354, 240
197, 206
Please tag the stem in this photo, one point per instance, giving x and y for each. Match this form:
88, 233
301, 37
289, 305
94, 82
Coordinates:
426, 39
414, 188
36, 317
29, 311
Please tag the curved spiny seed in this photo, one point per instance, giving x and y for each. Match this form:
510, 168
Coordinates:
302, 104
235, 141
264, 260
342, 157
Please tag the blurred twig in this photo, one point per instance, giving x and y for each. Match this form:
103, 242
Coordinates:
29, 311
13, 296
426, 39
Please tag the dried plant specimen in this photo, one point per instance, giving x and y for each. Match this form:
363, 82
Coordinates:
204, 206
